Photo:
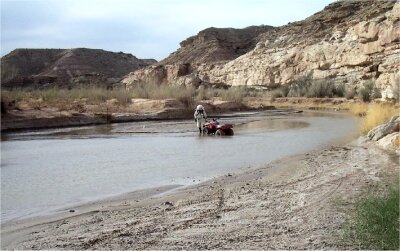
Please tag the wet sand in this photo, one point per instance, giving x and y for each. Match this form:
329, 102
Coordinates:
298, 202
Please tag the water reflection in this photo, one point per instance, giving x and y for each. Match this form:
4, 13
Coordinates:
273, 125
79, 164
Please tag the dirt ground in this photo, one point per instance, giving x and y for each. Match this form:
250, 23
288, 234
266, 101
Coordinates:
298, 202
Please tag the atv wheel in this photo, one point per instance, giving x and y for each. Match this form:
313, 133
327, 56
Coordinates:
219, 132
229, 132
205, 130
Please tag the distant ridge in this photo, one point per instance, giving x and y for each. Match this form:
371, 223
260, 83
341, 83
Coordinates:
39, 68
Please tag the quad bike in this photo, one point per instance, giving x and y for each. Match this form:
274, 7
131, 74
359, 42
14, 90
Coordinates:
213, 127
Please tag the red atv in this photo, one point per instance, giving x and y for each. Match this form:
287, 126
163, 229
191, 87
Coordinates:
213, 127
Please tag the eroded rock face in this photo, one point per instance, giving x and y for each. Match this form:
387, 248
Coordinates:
216, 44
179, 74
349, 41
367, 50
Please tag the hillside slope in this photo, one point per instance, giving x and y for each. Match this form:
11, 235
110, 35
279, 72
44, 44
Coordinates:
66, 67
216, 44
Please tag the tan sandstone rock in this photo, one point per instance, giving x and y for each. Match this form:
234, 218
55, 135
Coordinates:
350, 42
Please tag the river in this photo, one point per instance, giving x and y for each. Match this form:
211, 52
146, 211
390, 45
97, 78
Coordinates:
48, 170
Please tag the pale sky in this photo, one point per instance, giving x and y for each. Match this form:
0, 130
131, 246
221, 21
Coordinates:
145, 28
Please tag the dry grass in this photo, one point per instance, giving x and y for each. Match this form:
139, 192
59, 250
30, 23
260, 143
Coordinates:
234, 94
373, 114
54, 96
336, 104
78, 98
359, 109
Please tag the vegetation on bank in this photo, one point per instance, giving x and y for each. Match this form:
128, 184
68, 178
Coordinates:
375, 223
304, 87
373, 114
65, 98
325, 88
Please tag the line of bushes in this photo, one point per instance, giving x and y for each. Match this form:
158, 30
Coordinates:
307, 87
60, 97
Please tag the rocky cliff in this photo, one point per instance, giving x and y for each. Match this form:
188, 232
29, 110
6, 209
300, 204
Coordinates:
66, 67
216, 44
349, 42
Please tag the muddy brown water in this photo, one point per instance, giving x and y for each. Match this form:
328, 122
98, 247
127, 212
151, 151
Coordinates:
45, 171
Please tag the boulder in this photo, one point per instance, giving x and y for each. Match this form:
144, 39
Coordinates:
382, 130
390, 142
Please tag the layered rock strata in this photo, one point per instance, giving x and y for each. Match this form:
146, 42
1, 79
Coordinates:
350, 42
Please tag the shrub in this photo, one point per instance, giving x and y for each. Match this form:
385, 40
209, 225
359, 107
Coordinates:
368, 91
185, 95
376, 93
234, 94
306, 87
203, 93
350, 92
279, 92
376, 222
339, 90
320, 89
299, 87
365, 95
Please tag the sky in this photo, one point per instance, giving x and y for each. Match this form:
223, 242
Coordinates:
145, 28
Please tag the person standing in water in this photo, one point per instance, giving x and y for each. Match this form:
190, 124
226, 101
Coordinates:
200, 117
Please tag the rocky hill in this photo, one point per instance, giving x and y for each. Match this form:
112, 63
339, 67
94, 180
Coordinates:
40, 68
349, 42
216, 44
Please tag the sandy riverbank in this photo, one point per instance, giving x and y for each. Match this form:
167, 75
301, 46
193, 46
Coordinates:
28, 116
298, 202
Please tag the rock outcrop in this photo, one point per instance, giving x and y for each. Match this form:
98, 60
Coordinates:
390, 142
216, 44
387, 136
66, 67
381, 131
349, 42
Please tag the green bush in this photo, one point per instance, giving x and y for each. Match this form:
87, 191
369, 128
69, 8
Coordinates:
350, 92
299, 87
280, 92
320, 89
339, 90
369, 92
376, 222
307, 87
376, 93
